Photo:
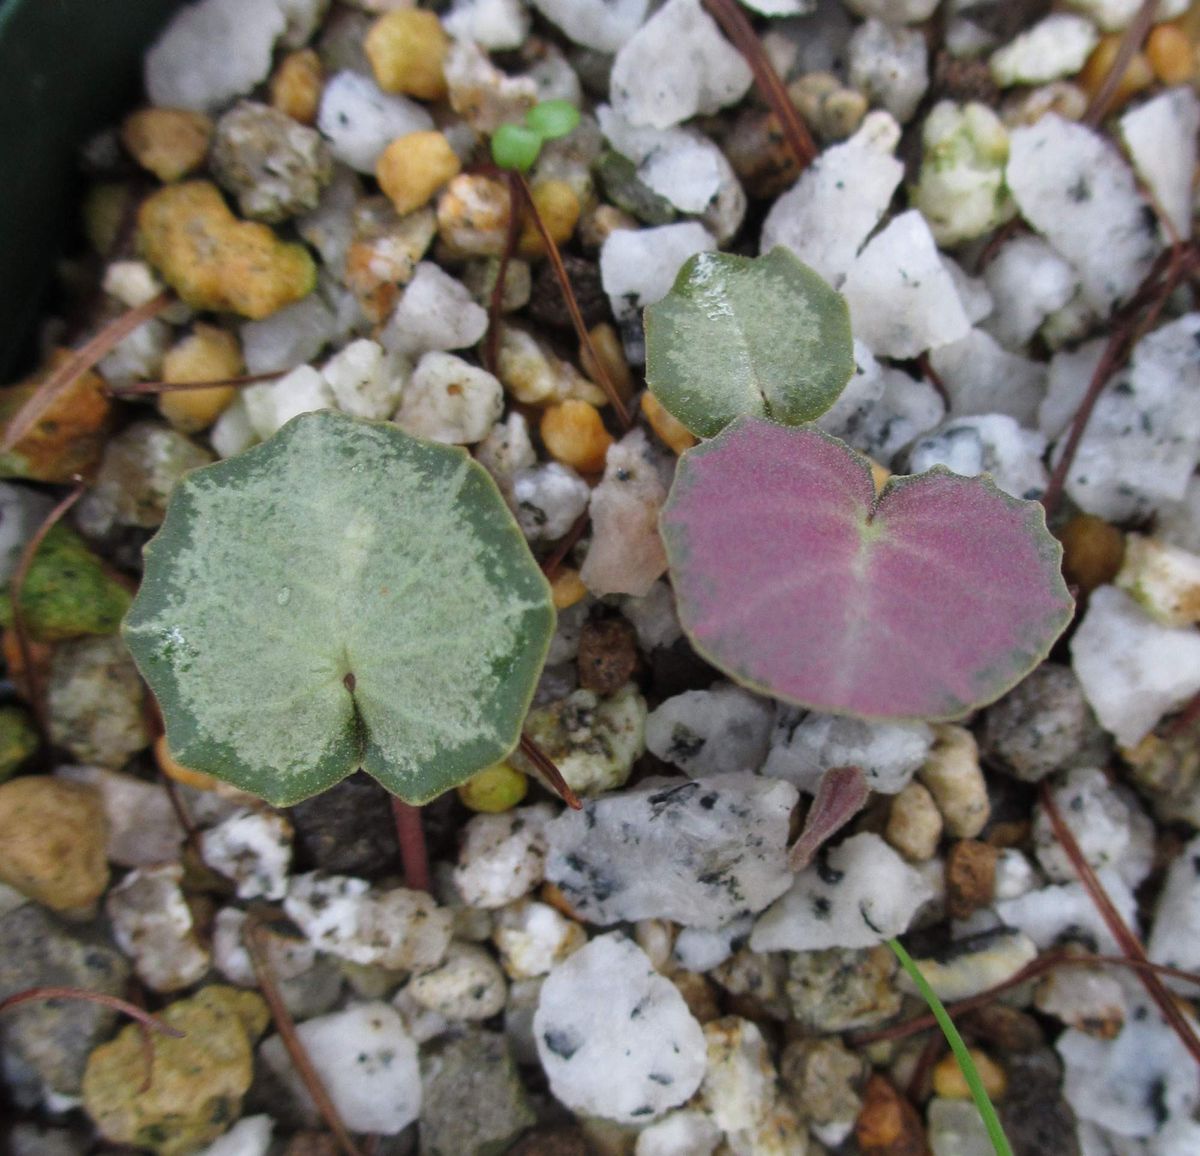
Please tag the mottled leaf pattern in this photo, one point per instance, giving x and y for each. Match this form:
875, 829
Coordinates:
343, 595
764, 336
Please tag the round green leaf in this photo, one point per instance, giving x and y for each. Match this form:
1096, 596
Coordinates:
516, 147
342, 596
553, 119
763, 336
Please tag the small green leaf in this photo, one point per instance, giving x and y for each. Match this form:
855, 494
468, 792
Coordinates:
516, 147
966, 1064
763, 336
343, 595
553, 119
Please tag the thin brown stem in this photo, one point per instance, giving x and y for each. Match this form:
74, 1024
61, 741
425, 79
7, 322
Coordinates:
521, 192
545, 764
191, 832
516, 214
78, 364
410, 834
554, 560
1129, 943
17, 590
1168, 271
284, 1024
738, 28
1030, 971
146, 1022
1131, 43
138, 388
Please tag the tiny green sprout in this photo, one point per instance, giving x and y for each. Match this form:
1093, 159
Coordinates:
516, 146
553, 119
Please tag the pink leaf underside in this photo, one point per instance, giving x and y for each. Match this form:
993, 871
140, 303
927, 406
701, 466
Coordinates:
841, 794
791, 577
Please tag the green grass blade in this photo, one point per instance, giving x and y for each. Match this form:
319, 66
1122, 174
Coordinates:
978, 1093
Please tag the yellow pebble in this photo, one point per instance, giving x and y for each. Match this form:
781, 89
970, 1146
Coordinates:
558, 206
567, 588
879, 475
607, 343
574, 434
296, 85
1171, 55
205, 354
1137, 74
668, 427
215, 261
407, 51
178, 772
413, 167
948, 1079
169, 142
494, 789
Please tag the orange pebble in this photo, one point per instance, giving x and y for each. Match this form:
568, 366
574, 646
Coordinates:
574, 434
1171, 55
668, 427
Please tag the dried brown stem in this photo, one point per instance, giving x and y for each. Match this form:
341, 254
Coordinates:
155, 387
1129, 943
516, 215
1168, 271
554, 560
286, 1026
545, 764
738, 28
1131, 43
521, 192
17, 590
1030, 971
410, 834
78, 364
146, 1022
190, 830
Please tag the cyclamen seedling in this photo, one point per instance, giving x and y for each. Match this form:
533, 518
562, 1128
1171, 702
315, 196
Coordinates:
516, 146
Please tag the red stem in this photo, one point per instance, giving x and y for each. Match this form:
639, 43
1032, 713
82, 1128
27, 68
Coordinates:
491, 348
155, 387
410, 833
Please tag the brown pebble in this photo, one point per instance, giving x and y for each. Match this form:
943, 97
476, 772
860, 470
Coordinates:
1093, 552
959, 79
546, 303
699, 994
312, 1144
564, 1141
970, 877
1007, 1029
888, 1124
607, 655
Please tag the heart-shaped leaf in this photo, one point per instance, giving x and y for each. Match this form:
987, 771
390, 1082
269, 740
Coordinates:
791, 576
343, 595
764, 336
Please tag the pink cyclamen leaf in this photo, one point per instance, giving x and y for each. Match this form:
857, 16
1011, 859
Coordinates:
841, 794
793, 577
